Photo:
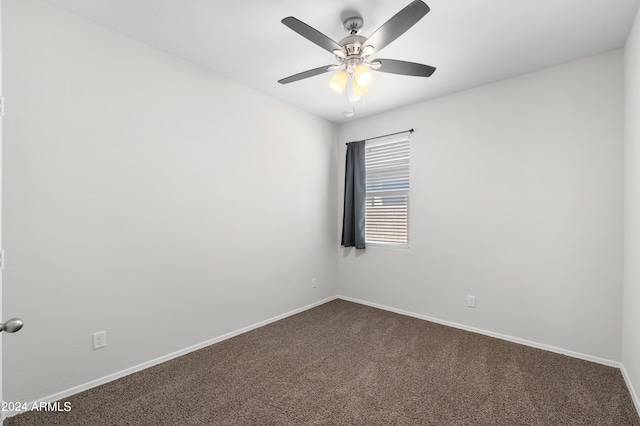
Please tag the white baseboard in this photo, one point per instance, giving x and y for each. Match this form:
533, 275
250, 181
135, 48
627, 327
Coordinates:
114, 376
632, 391
573, 354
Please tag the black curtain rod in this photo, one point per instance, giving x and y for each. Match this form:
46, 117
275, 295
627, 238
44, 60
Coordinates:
384, 136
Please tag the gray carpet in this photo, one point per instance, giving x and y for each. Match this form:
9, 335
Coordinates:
343, 363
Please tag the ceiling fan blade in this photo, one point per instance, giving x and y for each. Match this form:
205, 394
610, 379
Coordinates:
311, 34
306, 74
398, 24
405, 68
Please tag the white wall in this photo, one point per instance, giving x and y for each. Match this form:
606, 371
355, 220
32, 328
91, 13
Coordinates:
631, 291
149, 198
516, 198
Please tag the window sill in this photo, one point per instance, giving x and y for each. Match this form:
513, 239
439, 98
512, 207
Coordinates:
386, 246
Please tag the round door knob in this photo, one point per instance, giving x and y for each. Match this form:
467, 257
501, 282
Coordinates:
11, 326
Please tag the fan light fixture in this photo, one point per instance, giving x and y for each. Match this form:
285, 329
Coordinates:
363, 75
359, 90
360, 78
339, 81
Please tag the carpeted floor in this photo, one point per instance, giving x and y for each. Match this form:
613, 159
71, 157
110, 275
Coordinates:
343, 363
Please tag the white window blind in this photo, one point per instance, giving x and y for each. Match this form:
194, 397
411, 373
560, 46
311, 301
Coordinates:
387, 210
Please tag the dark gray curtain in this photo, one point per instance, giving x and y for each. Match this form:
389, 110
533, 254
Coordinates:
354, 197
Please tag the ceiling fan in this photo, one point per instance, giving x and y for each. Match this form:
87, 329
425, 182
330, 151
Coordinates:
354, 53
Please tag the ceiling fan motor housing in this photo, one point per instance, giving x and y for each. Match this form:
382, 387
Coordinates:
353, 45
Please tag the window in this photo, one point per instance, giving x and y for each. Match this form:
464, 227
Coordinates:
387, 210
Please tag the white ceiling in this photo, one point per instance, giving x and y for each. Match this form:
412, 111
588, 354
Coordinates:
470, 42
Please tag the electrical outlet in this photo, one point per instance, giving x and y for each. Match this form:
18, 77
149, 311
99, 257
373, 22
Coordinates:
314, 283
471, 301
99, 340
